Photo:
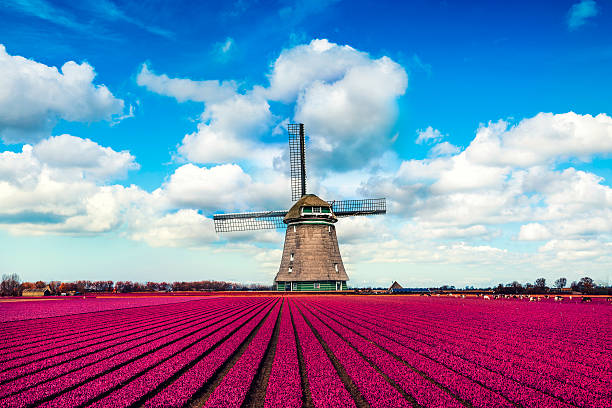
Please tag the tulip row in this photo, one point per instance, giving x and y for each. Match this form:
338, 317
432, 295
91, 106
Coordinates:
324, 384
424, 392
329, 352
284, 384
52, 352
65, 306
89, 359
145, 375
233, 388
583, 345
566, 385
499, 373
185, 387
73, 374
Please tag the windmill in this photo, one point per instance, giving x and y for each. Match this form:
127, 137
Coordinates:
311, 257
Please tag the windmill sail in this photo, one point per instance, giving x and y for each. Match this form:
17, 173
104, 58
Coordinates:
297, 159
368, 206
249, 221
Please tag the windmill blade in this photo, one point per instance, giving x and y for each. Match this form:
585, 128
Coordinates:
249, 221
368, 206
297, 159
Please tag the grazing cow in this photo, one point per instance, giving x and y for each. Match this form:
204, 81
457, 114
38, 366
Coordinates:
463, 297
486, 297
585, 299
558, 298
532, 299
609, 299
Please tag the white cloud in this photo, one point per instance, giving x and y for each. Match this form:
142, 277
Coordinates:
182, 89
444, 149
544, 138
225, 187
429, 135
297, 68
576, 249
66, 153
54, 187
580, 12
534, 232
346, 98
350, 120
508, 175
229, 131
33, 96
185, 228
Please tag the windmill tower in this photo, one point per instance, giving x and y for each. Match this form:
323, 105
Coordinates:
311, 258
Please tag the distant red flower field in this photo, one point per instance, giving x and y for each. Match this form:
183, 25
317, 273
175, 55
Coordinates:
292, 351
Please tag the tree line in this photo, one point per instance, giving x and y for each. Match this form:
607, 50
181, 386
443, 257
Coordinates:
584, 285
11, 285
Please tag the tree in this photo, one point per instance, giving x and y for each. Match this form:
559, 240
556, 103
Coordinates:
560, 283
540, 283
10, 285
586, 284
517, 287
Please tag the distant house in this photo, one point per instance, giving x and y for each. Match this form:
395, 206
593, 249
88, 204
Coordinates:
395, 285
36, 292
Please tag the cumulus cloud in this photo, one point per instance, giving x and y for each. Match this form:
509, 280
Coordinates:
580, 12
229, 131
224, 187
534, 232
508, 174
321, 60
185, 89
33, 96
66, 153
349, 107
429, 135
346, 98
58, 186
444, 149
185, 228
544, 138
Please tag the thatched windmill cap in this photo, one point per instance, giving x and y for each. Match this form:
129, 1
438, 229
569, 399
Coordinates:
309, 200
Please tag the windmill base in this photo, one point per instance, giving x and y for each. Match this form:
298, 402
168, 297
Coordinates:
323, 286
311, 259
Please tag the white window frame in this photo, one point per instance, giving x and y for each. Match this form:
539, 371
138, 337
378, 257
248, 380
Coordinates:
317, 285
316, 210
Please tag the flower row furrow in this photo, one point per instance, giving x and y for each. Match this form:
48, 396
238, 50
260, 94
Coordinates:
89, 359
82, 375
35, 362
517, 342
325, 386
284, 385
464, 386
183, 389
235, 384
146, 374
546, 384
374, 388
424, 392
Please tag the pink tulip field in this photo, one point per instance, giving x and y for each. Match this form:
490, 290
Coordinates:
305, 350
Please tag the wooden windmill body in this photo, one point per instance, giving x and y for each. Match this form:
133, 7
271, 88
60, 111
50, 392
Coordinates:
311, 259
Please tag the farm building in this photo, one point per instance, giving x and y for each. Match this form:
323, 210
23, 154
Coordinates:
395, 285
37, 292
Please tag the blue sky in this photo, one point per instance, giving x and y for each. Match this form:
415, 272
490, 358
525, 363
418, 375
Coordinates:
486, 125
